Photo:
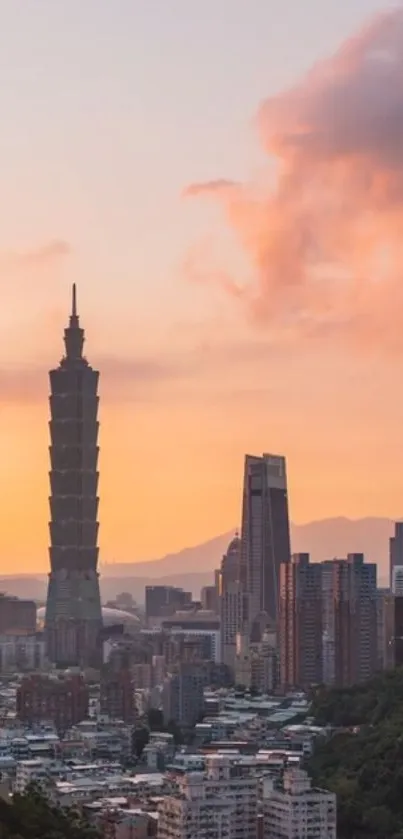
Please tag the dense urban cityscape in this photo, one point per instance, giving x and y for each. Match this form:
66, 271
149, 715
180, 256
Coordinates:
249, 685
182, 717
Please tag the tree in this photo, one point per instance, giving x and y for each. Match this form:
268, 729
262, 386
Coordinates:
32, 816
362, 762
177, 733
155, 719
140, 739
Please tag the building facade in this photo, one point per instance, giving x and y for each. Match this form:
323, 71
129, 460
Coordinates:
73, 621
183, 695
233, 602
395, 550
297, 809
220, 803
300, 623
63, 701
162, 601
17, 616
117, 695
349, 614
265, 532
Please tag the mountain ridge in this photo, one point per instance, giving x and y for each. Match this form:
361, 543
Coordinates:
193, 567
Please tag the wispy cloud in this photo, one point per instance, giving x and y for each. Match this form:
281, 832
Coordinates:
42, 255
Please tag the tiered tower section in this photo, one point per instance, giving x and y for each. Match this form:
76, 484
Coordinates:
73, 611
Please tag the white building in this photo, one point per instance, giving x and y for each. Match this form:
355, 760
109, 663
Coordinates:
35, 771
298, 810
216, 804
22, 653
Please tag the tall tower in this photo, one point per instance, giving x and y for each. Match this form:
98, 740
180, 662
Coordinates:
73, 620
265, 532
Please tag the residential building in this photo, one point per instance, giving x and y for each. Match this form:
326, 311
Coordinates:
117, 697
17, 617
385, 628
21, 653
296, 809
162, 601
182, 695
300, 623
209, 598
397, 631
73, 621
197, 624
61, 700
233, 602
265, 537
220, 803
349, 615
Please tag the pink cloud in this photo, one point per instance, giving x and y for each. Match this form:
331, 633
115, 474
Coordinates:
325, 245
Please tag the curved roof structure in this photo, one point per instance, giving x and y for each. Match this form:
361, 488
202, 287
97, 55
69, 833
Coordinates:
109, 617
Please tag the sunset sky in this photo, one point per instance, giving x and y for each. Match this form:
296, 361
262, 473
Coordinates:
233, 219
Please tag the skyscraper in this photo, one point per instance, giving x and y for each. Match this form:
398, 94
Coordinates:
233, 602
73, 609
349, 604
265, 531
300, 622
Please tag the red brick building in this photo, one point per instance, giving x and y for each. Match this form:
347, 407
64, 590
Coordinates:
62, 700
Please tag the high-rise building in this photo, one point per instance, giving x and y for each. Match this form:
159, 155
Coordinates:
17, 617
397, 631
385, 628
220, 803
73, 621
233, 602
117, 698
209, 598
183, 696
162, 601
395, 550
300, 622
265, 532
349, 614
298, 809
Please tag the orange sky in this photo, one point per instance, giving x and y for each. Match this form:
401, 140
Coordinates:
172, 442
267, 320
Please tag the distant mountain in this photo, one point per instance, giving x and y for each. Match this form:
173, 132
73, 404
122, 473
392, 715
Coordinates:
204, 557
337, 537
325, 539
193, 567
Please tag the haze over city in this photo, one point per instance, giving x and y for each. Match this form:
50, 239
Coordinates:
274, 325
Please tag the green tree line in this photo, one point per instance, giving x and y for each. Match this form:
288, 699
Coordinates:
362, 762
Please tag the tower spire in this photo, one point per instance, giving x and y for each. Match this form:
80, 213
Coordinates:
74, 335
74, 301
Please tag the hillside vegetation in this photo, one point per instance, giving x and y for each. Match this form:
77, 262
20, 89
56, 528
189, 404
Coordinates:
363, 764
31, 816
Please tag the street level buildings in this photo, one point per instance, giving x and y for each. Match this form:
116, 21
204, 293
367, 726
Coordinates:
220, 803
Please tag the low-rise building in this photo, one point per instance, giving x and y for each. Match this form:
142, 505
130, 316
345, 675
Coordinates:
298, 809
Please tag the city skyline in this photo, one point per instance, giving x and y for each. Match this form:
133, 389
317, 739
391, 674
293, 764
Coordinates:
190, 382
